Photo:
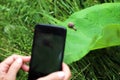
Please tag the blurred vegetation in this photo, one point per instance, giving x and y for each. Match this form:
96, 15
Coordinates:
17, 20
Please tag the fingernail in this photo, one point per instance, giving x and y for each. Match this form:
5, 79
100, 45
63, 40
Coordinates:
19, 60
61, 75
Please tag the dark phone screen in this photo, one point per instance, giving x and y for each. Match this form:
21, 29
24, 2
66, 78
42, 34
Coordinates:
47, 52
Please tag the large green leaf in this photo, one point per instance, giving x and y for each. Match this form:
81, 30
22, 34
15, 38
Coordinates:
97, 27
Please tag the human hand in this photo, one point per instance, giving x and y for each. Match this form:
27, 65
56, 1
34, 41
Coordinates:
11, 65
65, 74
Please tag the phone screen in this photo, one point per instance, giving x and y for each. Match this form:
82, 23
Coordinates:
47, 51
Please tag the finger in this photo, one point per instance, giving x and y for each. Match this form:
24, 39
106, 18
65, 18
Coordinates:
24, 58
54, 76
25, 67
4, 66
14, 68
67, 71
11, 58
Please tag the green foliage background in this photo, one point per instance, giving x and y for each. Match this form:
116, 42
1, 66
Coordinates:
17, 20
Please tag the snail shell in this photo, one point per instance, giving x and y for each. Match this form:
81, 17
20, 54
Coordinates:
72, 26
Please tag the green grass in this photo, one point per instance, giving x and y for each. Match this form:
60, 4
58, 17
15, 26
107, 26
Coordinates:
17, 20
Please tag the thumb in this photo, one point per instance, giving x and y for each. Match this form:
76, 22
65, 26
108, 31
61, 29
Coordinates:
54, 76
14, 68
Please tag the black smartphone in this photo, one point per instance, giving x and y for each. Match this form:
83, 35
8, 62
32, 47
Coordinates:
47, 50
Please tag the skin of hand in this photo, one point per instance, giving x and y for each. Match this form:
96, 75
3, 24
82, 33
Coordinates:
11, 65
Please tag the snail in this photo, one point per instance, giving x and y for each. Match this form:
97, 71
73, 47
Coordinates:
72, 26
